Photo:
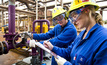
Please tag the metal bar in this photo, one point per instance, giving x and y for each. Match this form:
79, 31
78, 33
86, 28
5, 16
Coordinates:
55, 3
62, 3
52, 6
27, 12
36, 9
2, 2
28, 23
41, 22
41, 51
5, 18
27, 1
45, 11
17, 22
46, 1
2, 19
101, 1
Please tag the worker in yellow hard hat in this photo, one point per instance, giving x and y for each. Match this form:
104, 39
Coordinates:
59, 15
62, 34
90, 46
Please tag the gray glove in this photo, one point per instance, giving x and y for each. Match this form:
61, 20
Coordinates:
26, 35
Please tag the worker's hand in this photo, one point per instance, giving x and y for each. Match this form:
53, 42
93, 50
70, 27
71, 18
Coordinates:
27, 35
48, 45
32, 43
60, 60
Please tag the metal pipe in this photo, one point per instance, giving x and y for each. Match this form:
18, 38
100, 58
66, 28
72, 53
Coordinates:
62, 3
45, 10
2, 2
5, 19
36, 11
41, 23
28, 23
17, 22
11, 10
2, 14
24, 23
55, 3
41, 51
2, 19
11, 2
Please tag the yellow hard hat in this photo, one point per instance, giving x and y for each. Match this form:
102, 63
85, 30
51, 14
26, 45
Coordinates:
81, 3
57, 11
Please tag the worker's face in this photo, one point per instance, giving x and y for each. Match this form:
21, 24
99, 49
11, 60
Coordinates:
63, 22
82, 21
60, 19
79, 17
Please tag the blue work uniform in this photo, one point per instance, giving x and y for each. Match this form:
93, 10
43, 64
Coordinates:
60, 36
92, 50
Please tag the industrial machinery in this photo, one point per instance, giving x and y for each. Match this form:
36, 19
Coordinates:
11, 37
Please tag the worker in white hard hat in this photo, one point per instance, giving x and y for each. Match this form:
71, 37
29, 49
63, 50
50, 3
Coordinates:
90, 46
62, 34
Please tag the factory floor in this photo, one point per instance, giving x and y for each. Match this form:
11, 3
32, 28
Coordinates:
10, 58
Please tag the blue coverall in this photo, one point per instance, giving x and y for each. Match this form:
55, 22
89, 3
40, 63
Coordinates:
61, 37
92, 50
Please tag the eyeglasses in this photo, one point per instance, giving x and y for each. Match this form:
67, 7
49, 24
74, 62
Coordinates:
59, 18
75, 14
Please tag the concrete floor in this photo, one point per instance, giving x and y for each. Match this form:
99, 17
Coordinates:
27, 60
10, 58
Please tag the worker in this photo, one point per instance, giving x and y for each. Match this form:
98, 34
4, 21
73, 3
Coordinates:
62, 34
90, 46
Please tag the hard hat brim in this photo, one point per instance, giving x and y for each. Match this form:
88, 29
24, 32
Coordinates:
59, 14
82, 5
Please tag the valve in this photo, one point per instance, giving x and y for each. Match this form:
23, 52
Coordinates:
24, 41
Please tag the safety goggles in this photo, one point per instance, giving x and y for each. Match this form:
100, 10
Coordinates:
59, 18
75, 14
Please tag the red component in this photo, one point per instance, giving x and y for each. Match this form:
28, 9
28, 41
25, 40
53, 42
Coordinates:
85, 0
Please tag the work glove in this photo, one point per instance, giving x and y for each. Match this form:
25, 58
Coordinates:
32, 43
60, 60
26, 35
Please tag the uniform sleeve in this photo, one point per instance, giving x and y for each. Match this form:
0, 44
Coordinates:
44, 36
101, 56
63, 52
65, 38
67, 63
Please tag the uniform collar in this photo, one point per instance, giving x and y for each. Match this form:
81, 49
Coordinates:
68, 23
91, 31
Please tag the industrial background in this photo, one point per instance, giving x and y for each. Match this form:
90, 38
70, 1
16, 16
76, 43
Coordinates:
29, 15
